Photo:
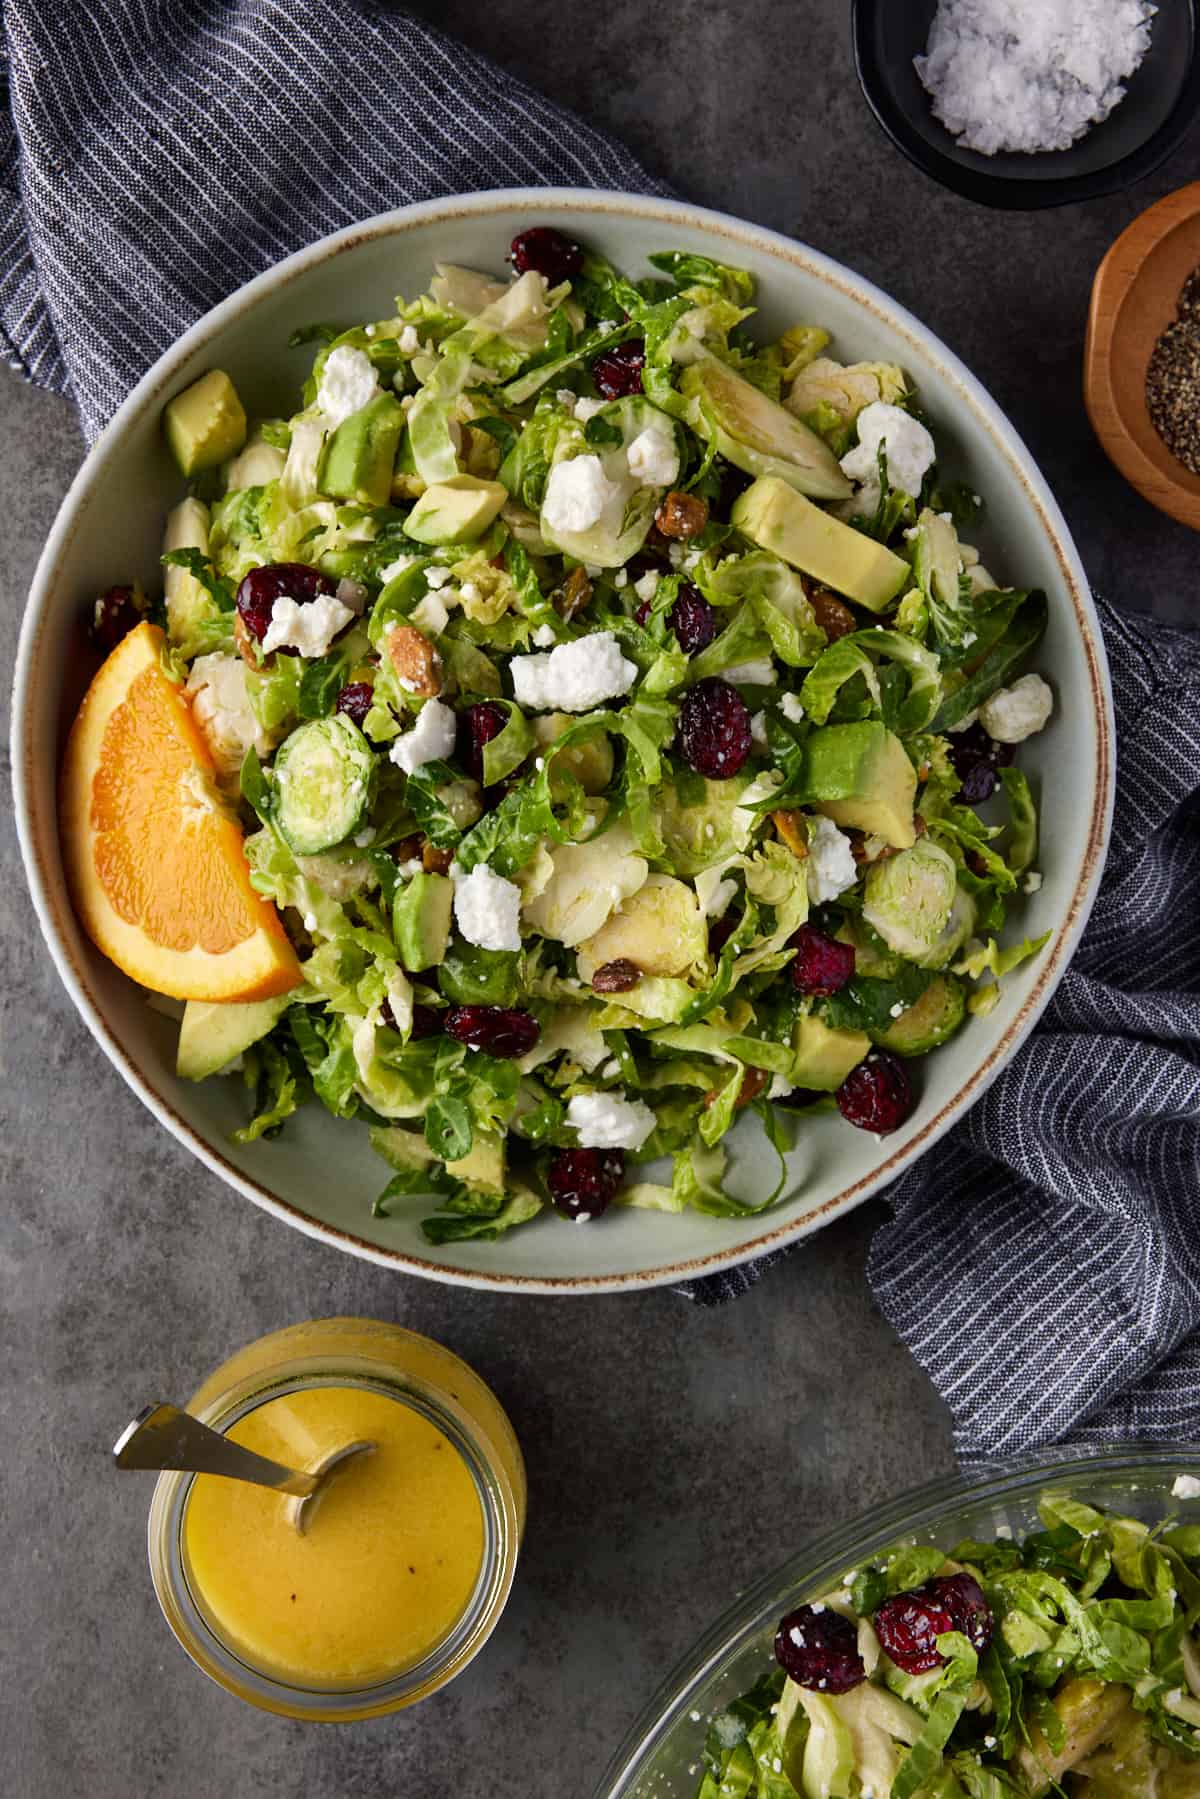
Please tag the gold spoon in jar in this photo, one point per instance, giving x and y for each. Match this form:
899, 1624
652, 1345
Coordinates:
162, 1437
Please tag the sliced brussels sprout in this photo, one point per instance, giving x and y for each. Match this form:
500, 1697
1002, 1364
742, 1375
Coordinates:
908, 898
929, 1021
589, 880
660, 929
756, 433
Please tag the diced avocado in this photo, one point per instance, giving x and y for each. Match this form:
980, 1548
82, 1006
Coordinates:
213, 1035
756, 433
589, 761
824, 1057
1091, 1712
421, 921
361, 454
929, 1021
188, 605
778, 518
936, 557
455, 511
660, 929
254, 466
483, 1164
324, 775
206, 423
859, 775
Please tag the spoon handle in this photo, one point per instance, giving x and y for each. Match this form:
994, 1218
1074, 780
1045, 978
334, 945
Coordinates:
161, 1436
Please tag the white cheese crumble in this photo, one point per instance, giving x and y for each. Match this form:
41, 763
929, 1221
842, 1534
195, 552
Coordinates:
792, 707
646, 586
1186, 1487
831, 865
216, 686
758, 730
1017, 712
1032, 882
758, 672
347, 384
780, 1087
1030, 75
907, 447
577, 494
487, 908
573, 677
396, 568
652, 458
896, 1010
409, 341
432, 615
431, 739
436, 575
587, 409
309, 626
545, 637
609, 1120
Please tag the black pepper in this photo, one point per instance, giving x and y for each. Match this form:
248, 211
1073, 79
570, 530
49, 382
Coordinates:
1173, 379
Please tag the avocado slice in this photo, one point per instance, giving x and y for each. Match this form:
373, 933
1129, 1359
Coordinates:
454, 511
929, 1021
361, 453
756, 433
483, 1164
206, 423
215, 1034
421, 920
859, 775
775, 516
188, 605
824, 1057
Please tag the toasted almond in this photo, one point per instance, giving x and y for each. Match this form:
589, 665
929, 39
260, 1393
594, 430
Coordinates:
416, 662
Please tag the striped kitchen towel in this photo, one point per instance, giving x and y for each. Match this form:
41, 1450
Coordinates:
1043, 1261
154, 157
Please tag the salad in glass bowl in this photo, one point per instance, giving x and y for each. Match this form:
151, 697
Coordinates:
608, 698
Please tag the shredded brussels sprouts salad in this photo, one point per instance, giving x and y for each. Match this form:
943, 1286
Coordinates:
608, 696
1064, 1663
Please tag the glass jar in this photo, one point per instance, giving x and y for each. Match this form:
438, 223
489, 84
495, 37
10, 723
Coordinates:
382, 1359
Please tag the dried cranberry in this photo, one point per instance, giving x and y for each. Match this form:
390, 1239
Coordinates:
823, 965
477, 726
355, 701
976, 759
693, 620
547, 251
114, 615
426, 1022
908, 1626
582, 1182
818, 1649
720, 931
733, 483
877, 1095
714, 729
495, 1029
962, 1596
618, 371
276, 581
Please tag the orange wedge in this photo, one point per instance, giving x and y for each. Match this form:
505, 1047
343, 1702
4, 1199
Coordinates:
154, 860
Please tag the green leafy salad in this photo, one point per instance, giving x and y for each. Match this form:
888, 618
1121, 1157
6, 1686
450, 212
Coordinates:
607, 696
1062, 1664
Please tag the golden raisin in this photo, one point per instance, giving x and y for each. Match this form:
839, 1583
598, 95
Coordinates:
616, 977
577, 591
833, 615
792, 829
682, 515
435, 861
753, 1082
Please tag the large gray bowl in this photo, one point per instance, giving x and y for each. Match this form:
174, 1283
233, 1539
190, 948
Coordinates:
320, 1175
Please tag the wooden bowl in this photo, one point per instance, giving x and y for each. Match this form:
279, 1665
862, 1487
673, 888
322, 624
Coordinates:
1134, 298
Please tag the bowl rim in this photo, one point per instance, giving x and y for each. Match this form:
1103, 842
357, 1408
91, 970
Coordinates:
1002, 191
38, 840
905, 1515
1115, 279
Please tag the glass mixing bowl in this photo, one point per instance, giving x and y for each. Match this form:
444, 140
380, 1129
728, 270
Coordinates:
660, 1757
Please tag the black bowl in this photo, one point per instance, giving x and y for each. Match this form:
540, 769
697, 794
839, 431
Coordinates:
1161, 103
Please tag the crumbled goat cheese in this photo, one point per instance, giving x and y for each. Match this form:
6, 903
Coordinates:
216, 686
1032, 882
309, 626
759, 672
364, 838
1017, 712
574, 676
347, 384
780, 1087
621, 578
436, 575
907, 446
652, 458
1186, 1487
587, 409
831, 865
432, 615
1030, 75
469, 593
646, 586
577, 494
396, 568
609, 1120
431, 739
792, 708
607, 325
409, 341
758, 730
487, 908
545, 637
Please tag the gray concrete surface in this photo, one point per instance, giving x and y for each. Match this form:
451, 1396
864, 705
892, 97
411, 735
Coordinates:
673, 1454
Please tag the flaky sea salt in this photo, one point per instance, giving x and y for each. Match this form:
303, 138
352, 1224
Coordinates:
1030, 74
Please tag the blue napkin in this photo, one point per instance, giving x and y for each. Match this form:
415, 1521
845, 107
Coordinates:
1044, 1264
